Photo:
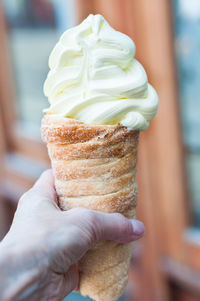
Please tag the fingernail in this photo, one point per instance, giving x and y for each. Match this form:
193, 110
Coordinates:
138, 227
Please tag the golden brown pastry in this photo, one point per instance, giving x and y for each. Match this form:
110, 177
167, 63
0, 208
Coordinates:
95, 167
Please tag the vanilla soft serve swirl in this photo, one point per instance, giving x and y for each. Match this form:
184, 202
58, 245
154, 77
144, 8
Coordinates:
95, 78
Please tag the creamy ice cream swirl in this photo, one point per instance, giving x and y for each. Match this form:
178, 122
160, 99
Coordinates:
95, 78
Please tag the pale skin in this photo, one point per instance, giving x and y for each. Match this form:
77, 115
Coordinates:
40, 253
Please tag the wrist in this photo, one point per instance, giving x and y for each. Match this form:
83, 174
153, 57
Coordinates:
22, 269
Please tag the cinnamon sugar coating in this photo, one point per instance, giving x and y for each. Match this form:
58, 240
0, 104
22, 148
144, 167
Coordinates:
95, 167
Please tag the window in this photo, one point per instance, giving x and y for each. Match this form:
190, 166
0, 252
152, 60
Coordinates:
187, 25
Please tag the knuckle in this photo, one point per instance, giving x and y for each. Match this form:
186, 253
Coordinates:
91, 223
125, 225
84, 219
47, 172
21, 200
118, 215
84, 213
88, 221
77, 211
90, 216
24, 197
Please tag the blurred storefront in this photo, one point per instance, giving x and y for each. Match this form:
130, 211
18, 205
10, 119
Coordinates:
166, 262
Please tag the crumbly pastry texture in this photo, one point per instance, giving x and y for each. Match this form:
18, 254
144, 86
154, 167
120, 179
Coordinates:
95, 167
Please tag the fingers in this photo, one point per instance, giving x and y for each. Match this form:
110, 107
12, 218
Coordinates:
45, 185
71, 280
82, 228
108, 226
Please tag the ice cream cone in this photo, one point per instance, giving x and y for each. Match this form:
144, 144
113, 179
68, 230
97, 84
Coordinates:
99, 99
95, 168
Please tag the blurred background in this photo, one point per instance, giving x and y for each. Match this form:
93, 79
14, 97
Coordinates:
166, 262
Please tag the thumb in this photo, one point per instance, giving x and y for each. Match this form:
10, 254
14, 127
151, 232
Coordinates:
92, 226
109, 226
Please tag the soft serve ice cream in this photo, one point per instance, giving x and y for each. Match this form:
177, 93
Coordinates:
94, 78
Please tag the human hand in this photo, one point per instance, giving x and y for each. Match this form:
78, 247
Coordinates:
48, 243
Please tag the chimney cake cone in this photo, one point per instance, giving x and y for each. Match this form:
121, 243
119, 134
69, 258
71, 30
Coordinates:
100, 100
95, 168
